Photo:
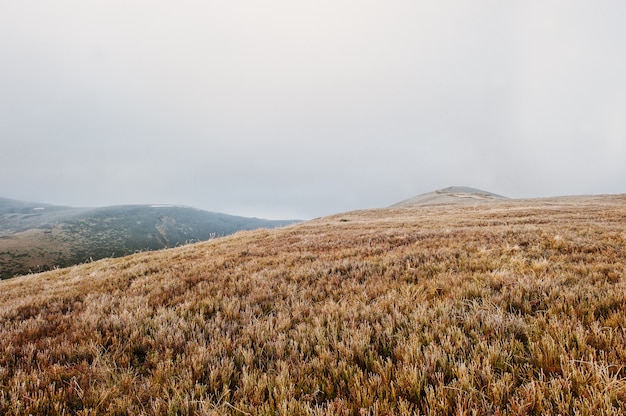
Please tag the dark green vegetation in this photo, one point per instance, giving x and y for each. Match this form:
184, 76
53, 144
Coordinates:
38, 237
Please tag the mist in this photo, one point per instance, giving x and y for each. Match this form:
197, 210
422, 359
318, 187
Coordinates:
283, 109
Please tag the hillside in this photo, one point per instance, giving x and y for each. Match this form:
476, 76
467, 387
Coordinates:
38, 237
512, 307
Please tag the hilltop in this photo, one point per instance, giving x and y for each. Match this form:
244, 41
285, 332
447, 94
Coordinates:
451, 195
38, 237
515, 307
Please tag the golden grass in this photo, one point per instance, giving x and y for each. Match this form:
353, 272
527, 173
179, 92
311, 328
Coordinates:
507, 308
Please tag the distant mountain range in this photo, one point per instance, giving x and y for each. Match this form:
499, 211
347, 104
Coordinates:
36, 237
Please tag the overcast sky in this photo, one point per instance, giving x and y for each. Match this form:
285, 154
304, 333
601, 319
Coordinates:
298, 109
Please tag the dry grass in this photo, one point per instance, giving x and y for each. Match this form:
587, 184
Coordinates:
507, 308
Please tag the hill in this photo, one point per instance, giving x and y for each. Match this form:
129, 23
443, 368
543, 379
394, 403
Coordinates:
38, 237
512, 308
450, 195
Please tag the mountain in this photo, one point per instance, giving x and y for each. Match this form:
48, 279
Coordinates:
517, 307
450, 195
37, 237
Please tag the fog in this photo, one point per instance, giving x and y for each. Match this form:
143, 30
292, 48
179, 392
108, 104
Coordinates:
283, 109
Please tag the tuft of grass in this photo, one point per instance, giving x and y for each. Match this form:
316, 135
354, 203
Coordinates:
510, 308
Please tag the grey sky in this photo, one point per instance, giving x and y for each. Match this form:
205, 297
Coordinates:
283, 108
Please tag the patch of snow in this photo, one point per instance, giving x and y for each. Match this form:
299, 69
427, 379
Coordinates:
167, 206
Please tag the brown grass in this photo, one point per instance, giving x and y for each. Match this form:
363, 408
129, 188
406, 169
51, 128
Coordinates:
33, 251
506, 308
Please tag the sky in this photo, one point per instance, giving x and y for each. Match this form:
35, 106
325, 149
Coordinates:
299, 109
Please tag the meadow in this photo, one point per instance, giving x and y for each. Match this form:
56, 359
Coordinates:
505, 308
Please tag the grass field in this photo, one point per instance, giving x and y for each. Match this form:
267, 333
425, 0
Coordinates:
507, 308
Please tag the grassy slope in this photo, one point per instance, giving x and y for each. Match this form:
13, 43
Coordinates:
509, 308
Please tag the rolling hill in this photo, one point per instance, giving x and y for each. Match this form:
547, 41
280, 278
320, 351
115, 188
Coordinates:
451, 195
38, 237
516, 307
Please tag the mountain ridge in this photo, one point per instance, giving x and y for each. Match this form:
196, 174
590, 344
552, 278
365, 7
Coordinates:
37, 237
